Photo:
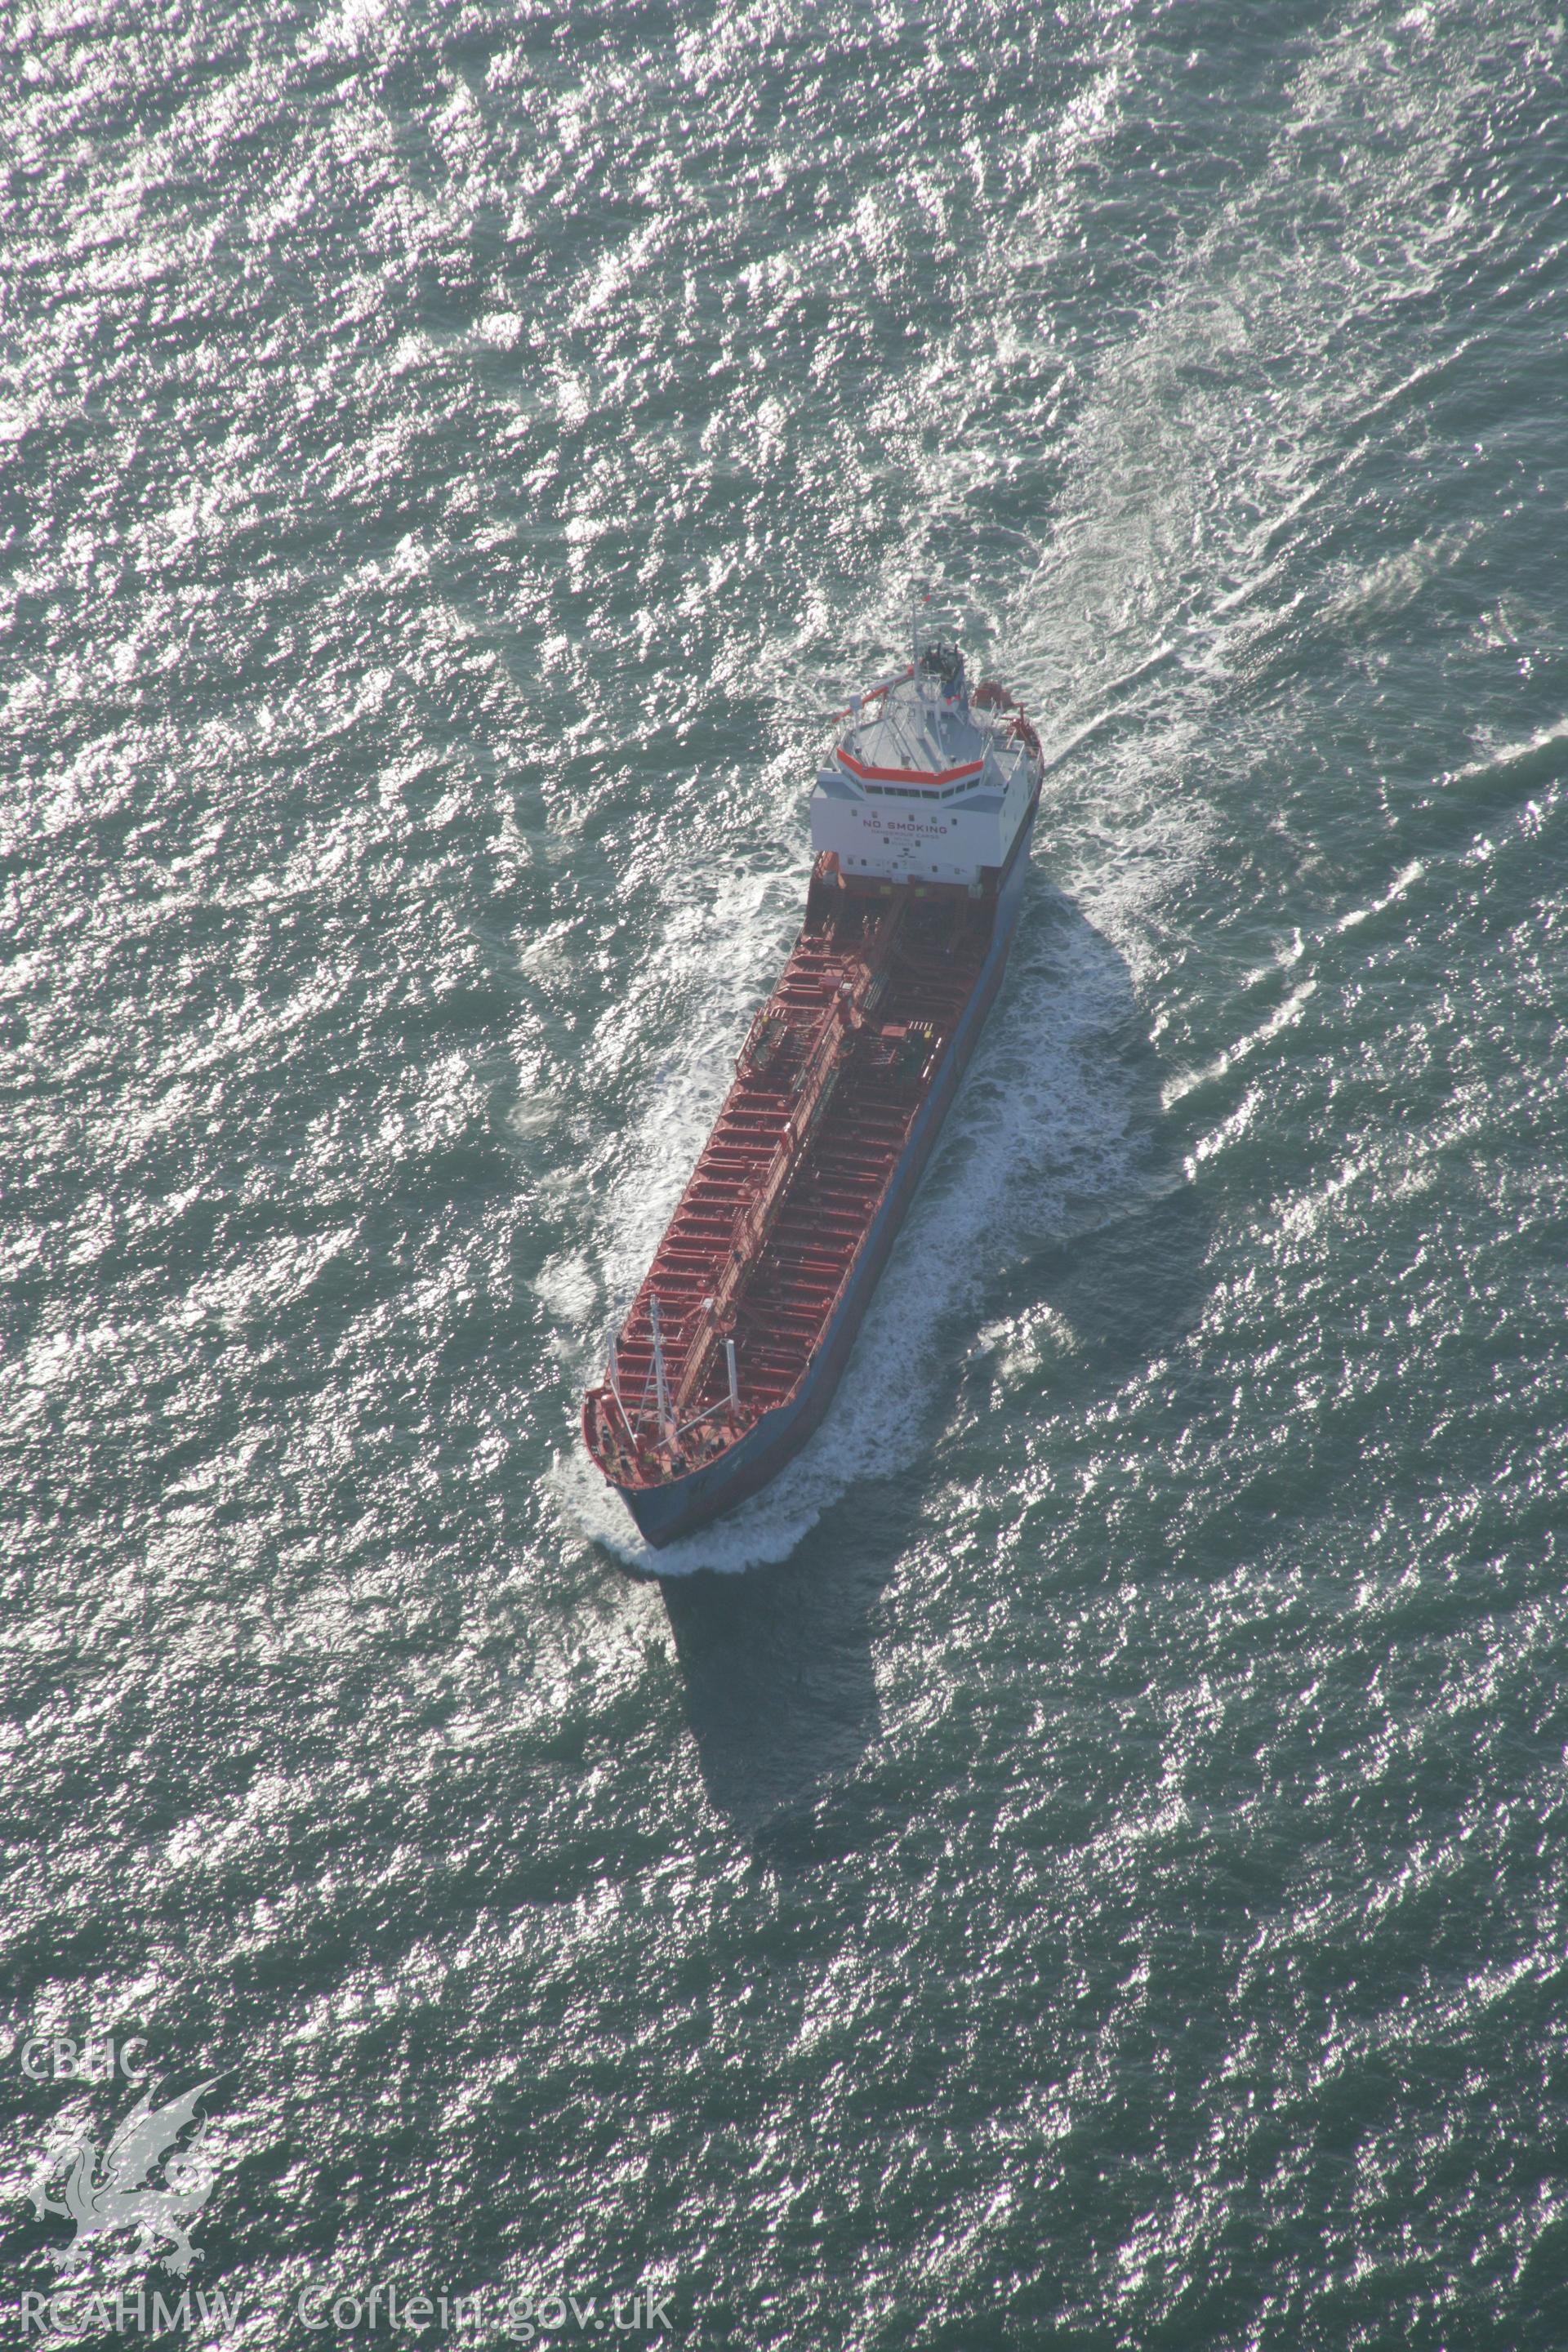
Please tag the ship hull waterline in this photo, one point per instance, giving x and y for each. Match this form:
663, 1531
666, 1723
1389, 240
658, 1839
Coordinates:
666, 1513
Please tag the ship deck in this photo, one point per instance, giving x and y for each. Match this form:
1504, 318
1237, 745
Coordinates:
772, 1220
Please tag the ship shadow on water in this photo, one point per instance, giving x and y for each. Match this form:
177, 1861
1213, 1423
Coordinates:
781, 1691
777, 1662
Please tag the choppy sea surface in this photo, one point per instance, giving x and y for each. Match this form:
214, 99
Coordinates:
1080, 1861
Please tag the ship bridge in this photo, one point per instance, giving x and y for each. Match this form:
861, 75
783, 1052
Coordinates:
925, 786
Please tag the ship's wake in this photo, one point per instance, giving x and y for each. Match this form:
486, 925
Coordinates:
1158, 562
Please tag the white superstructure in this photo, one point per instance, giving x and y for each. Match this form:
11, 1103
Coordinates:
923, 786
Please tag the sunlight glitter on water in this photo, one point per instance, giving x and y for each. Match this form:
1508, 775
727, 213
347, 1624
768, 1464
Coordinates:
451, 469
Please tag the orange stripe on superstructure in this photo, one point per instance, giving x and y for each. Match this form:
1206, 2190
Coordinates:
910, 775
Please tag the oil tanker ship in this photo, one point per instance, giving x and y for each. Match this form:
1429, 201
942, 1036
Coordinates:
921, 825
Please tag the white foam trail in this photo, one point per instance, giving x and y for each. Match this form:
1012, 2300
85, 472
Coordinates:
1284, 1016
1508, 755
1391, 896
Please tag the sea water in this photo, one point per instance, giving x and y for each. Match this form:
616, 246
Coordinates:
1080, 1861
